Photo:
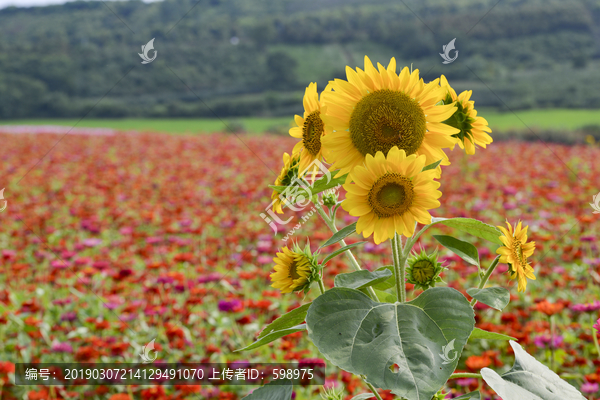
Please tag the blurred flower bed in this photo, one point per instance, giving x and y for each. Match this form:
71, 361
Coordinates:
114, 240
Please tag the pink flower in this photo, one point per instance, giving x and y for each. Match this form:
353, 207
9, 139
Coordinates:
597, 325
589, 387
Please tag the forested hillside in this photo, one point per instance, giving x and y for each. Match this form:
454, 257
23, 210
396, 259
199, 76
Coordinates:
255, 57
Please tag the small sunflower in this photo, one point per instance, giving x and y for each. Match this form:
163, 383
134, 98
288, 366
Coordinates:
390, 194
473, 129
515, 252
424, 270
288, 174
374, 111
294, 270
310, 129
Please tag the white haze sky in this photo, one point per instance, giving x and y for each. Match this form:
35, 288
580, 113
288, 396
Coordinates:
31, 3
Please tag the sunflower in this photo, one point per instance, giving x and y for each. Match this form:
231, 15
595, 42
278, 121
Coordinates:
310, 129
288, 173
390, 194
515, 252
294, 270
472, 128
424, 270
377, 110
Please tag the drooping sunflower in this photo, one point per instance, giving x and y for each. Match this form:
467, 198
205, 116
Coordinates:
515, 252
390, 194
310, 129
294, 269
377, 110
288, 174
473, 129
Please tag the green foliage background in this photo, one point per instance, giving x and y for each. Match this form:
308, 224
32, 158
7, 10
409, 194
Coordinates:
59, 61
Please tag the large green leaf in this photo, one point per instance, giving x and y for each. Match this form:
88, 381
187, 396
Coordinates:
340, 251
274, 336
529, 379
469, 396
367, 338
361, 279
495, 297
386, 296
341, 234
389, 282
272, 391
289, 320
471, 226
464, 250
482, 334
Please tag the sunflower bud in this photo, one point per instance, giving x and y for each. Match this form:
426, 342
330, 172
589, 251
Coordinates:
332, 394
330, 198
295, 269
424, 270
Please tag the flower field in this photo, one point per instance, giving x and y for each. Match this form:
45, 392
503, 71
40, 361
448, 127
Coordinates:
111, 241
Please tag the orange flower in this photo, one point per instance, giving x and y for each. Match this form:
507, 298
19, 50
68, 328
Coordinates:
120, 396
475, 363
549, 308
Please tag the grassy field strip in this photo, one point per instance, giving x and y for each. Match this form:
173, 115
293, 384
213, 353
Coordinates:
544, 119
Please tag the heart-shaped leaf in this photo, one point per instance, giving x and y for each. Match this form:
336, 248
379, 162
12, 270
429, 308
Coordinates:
410, 348
495, 297
389, 282
529, 379
482, 334
473, 227
272, 391
464, 250
288, 320
341, 234
274, 336
361, 279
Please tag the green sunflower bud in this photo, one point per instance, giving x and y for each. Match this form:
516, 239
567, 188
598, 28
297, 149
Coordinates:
330, 198
332, 394
424, 270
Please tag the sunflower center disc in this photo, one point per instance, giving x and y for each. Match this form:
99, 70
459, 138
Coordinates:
312, 132
387, 118
518, 251
423, 271
293, 274
392, 194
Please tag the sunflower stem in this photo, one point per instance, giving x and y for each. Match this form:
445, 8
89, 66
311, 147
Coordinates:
321, 286
399, 266
331, 225
594, 334
371, 387
464, 375
486, 277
